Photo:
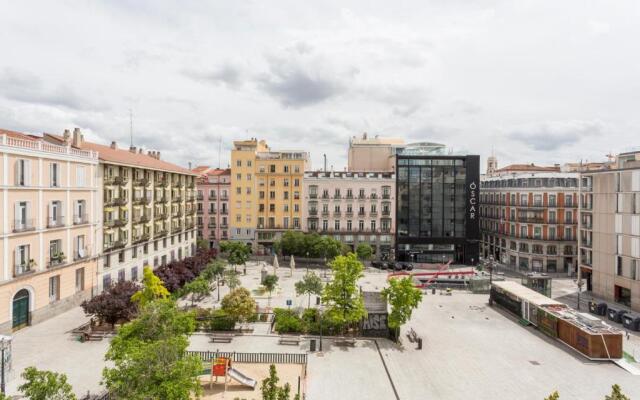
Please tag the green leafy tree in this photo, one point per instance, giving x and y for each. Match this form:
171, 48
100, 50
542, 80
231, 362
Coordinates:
342, 296
270, 282
202, 244
616, 394
292, 243
231, 277
553, 396
152, 288
214, 270
364, 251
149, 359
199, 288
310, 284
239, 305
270, 389
328, 247
45, 385
403, 298
237, 252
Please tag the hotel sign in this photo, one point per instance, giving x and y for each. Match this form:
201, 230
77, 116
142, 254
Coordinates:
473, 200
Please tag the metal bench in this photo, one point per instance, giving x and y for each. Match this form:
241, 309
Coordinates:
221, 338
345, 342
291, 340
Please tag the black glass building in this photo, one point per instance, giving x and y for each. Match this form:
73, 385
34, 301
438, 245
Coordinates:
437, 214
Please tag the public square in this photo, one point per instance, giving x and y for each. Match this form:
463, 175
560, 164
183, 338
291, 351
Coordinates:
470, 351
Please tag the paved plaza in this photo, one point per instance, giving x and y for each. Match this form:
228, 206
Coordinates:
470, 351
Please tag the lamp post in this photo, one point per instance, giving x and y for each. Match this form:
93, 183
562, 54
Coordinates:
307, 262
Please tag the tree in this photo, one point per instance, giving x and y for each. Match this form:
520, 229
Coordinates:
152, 288
345, 303
199, 288
148, 356
237, 252
364, 251
310, 284
214, 270
231, 277
239, 304
616, 394
553, 396
403, 298
270, 389
270, 282
328, 247
113, 304
202, 244
45, 385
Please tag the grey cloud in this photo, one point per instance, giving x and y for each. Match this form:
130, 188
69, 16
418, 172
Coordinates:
552, 136
25, 87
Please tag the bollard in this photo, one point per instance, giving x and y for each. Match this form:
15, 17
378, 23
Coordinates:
419, 343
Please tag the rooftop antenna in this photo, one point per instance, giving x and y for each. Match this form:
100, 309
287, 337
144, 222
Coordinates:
131, 127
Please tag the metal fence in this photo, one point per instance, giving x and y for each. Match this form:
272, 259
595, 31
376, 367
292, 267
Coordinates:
254, 358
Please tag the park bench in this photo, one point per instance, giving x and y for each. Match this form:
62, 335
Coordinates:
291, 340
221, 338
245, 329
345, 341
412, 335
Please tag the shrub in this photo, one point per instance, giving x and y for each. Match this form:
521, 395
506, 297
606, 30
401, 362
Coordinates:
114, 303
287, 321
221, 321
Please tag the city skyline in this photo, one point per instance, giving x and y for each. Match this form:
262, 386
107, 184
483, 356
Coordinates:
478, 78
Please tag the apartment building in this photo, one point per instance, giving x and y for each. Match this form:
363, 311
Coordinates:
148, 209
266, 193
48, 208
372, 153
610, 230
213, 187
353, 207
528, 217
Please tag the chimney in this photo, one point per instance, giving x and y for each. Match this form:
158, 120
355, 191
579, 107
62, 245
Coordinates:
66, 136
78, 139
132, 149
114, 145
140, 151
189, 165
157, 155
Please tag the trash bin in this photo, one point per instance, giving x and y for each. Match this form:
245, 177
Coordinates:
593, 307
631, 322
433, 290
312, 345
602, 309
419, 343
611, 314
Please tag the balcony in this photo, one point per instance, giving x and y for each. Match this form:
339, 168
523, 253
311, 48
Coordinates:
191, 197
213, 212
24, 268
176, 229
313, 195
190, 225
348, 213
224, 212
55, 222
161, 182
361, 213
337, 214
116, 223
211, 224
115, 202
56, 260
386, 196
142, 238
160, 215
115, 245
141, 182
349, 196
313, 212
362, 196
160, 233
386, 213
23, 225
161, 200
116, 180
176, 214
224, 226
200, 211
141, 219
224, 198
325, 213
81, 254
144, 200
200, 197
176, 199
373, 213
80, 219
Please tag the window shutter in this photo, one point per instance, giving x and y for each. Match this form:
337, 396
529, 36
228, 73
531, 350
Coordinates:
17, 216
18, 171
59, 175
28, 213
27, 169
50, 212
17, 256
51, 174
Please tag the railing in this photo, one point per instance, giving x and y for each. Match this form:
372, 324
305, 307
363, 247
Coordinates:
200, 197
224, 212
141, 182
224, 198
386, 212
56, 261
162, 199
79, 219
23, 225
337, 213
141, 200
113, 223
160, 233
313, 195
45, 147
176, 199
55, 222
118, 180
141, 219
200, 211
176, 214
81, 254
313, 212
386, 196
254, 358
141, 238
161, 182
24, 268
115, 201
160, 215
211, 225
325, 213
373, 213
118, 244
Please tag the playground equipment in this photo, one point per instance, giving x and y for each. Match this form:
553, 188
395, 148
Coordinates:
222, 367
443, 271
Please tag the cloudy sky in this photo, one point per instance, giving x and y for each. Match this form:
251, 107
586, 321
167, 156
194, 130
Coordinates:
534, 81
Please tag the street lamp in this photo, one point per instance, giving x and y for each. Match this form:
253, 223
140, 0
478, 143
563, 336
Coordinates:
307, 262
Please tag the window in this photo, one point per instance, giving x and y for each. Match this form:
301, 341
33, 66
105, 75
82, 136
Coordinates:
552, 200
145, 248
134, 273
80, 279
325, 225
296, 223
619, 266
80, 212
239, 163
55, 252
54, 174
336, 225
361, 225
373, 225
106, 281
552, 233
121, 275
248, 163
54, 288
248, 190
296, 182
121, 257
80, 176
23, 172
22, 259
134, 252
248, 177
285, 222
272, 168
55, 214
296, 208
238, 190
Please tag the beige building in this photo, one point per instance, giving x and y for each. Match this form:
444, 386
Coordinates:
372, 154
147, 208
266, 193
49, 211
610, 231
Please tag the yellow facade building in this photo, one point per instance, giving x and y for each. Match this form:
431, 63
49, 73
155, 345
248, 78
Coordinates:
266, 192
